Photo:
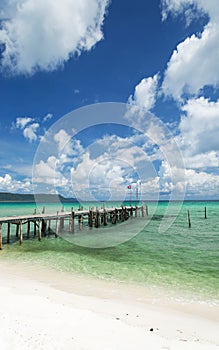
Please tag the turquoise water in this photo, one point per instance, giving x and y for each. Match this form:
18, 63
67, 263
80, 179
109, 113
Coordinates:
181, 258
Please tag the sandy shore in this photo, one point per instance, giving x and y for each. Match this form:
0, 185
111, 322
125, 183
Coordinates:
46, 309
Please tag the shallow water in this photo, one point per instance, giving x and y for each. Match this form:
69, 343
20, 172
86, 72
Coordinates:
180, 258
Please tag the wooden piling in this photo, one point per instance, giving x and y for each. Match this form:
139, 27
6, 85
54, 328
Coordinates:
21, 233
44, 227
80, 222
8, 233
189, 219
90, 218
35, 228
17, 229
97, 218
49, 227
39, 231
72, 221
105, 217
146, 210
57, 226
142, 211
28, 229
62, 220
136, 211
205, 213
1, 237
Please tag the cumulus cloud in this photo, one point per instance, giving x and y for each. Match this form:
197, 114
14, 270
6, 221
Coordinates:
43, 34
198, 183
29, 128
30, 132
8, 184
194, 63
21, 122
199, 128
145, 93
175, 7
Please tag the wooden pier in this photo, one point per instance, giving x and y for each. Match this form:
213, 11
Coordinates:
41, 223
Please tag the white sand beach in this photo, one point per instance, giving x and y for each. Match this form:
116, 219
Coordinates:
46, 309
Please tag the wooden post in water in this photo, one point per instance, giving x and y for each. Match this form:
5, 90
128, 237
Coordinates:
57, 226
189, 219
146, 208
97, 218
49, 226
8, 233
205, 213
62, 220
104, 217
80, 221
72, 222
142, 211
122, 215
17, 229
39, 231
21, 233
35, 226
1, 236
90, 218
28, 229
44, 227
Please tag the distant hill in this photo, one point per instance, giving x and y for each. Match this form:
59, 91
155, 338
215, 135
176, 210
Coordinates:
43, 198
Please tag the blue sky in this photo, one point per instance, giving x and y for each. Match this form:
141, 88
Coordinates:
159, 56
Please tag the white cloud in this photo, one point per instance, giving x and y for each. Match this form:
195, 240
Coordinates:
8, 184
43, 34
62, 138
194, 63
199, 128
145, 93
47, 173
198, 183
30, 132
47, 117
21, 122
175, 7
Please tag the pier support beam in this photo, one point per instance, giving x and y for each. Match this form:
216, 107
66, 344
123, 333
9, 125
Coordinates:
8, 233
146, 209
21, 233
97, 219
57, 226
104, 217
72, 222
0, 236
39, 231
44, 227
90, 218
28, 229
17, 229
80, 221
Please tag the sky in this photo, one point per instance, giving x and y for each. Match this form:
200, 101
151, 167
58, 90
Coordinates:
99, 95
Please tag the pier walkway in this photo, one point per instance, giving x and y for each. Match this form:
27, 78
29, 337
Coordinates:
40, 224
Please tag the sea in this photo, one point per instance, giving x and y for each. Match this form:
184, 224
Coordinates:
158, 250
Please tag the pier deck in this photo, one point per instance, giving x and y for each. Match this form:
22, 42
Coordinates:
42, 222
